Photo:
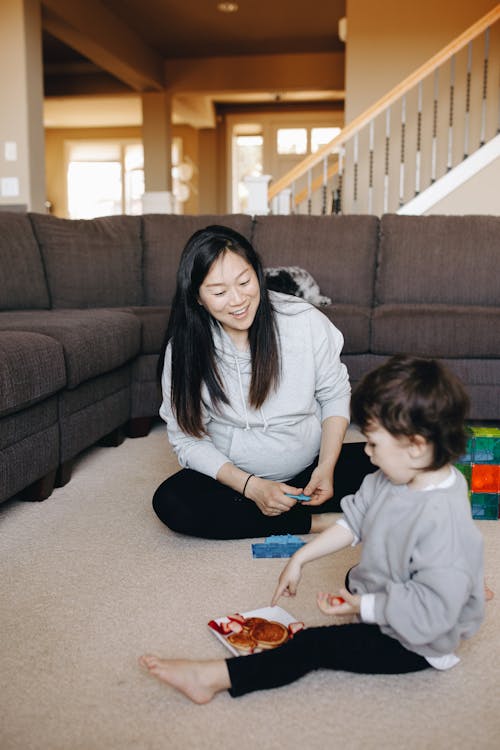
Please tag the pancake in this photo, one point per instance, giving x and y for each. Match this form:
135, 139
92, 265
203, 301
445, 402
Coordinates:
250, 622
242, 641
269, 634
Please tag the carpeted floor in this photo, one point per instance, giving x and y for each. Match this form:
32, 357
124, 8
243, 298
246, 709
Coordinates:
90, 580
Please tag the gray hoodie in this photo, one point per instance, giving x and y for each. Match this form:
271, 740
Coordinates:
283, 436
421, 560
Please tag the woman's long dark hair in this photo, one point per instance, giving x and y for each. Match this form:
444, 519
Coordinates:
189, 331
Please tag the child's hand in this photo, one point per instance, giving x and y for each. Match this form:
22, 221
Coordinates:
342, 603
288, 580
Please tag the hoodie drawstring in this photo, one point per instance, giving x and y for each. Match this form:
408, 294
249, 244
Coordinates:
247, 427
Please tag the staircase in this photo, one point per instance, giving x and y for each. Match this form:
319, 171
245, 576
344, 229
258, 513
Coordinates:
423, 130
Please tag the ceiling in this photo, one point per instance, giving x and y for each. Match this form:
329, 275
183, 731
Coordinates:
118, 48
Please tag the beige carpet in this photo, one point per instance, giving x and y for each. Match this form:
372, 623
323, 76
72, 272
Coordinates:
90, 579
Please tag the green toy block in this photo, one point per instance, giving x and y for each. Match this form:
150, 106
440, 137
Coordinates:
466, 470
486, 449
484, 505
467, 457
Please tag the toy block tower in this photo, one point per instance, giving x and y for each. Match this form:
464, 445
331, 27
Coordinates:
481, 467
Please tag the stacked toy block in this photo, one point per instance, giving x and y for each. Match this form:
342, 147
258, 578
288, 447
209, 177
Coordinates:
279, 545
481, 467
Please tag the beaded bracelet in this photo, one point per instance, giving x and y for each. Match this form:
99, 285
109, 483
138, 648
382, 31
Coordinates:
245, 485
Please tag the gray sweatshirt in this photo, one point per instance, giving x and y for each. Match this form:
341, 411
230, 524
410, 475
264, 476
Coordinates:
283, 436
422, 559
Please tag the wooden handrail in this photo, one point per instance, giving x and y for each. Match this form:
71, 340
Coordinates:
385, 101
316, 183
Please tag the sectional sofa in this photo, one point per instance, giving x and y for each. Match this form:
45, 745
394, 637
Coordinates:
84, 307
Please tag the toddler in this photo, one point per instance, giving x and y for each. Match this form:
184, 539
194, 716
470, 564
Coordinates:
418, 588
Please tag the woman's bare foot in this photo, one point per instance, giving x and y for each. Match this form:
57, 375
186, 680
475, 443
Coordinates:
488, 593
322, 521
198, 680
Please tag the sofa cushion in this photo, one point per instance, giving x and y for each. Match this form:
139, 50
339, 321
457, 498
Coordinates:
91, 263
339, 251
25, 460
354, 323
94, 409
31, 369
93, 341
418, 252
154, 322
164, 239
18, 426
146, 389
436, 330
22, 277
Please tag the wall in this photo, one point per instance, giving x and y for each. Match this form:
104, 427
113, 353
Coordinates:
21, 98
387, 40
479, 195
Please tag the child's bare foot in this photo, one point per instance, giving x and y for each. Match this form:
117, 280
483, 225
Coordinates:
198, 680
488, 593
322, 521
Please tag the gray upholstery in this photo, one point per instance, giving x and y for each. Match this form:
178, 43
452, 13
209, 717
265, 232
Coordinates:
31, 369
75, 372
153, 322
91, 263
32, 373
94, 341
29, 447
22, 277
93, 410
339, 252
146, 393
448, 260
436, 330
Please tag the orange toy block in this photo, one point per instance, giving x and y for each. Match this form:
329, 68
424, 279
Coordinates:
485, 478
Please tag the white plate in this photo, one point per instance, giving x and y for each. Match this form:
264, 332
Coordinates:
269, 613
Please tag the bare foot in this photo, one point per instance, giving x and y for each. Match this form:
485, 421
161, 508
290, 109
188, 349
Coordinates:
322, 521
198, 680
488, 593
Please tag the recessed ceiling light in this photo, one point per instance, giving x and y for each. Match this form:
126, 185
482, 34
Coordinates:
227, 7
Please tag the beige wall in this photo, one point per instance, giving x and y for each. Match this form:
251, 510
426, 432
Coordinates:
387, 40
479, 195
21, 100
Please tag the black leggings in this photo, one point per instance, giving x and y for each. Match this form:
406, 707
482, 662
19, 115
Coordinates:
360, 648
192, 503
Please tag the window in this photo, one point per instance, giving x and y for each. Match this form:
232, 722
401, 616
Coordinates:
321, 136
292, 141
295, 140
104, 178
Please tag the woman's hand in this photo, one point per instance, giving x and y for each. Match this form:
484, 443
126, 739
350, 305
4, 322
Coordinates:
288, 580
343, 603
270, 496
320, 485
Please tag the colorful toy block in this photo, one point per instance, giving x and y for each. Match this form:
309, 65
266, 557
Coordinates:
278, 545
480, 466
484, 505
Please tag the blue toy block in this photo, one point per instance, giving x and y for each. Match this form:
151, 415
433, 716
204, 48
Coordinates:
278, 545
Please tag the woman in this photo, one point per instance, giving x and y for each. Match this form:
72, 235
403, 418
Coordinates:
255, 399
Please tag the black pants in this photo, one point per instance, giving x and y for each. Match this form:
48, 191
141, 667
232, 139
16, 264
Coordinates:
358, 648
192, 503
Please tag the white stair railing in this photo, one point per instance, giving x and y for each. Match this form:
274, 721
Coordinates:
420, 130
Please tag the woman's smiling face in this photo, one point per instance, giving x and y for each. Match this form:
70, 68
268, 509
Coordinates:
230, 292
